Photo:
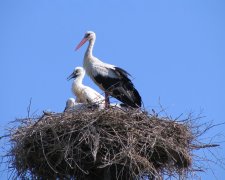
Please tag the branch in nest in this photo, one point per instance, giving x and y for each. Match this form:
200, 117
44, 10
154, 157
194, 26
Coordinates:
204, 146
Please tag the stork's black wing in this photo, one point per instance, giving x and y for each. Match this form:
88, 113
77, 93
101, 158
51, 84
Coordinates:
120, 87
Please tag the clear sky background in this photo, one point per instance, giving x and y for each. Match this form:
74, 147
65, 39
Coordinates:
174, 49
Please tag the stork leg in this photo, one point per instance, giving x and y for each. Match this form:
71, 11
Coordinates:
107, 102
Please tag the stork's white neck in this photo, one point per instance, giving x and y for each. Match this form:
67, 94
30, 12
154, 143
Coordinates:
89, 50
79, 80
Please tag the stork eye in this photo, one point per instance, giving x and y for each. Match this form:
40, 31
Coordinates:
87, 35
78, 71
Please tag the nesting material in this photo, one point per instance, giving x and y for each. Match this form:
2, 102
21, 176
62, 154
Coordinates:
96, 144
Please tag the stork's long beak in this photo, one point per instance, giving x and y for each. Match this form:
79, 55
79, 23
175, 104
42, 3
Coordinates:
71, 76
81, 43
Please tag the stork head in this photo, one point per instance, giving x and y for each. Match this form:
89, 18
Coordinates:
70, 103
78, 72
89, 35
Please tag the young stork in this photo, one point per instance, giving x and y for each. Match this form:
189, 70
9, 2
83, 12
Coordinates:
84, 93
111, 79
70, 104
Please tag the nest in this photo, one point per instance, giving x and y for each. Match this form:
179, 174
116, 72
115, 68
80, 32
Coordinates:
98, 144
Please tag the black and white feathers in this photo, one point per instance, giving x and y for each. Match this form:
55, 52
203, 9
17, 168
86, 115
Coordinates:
113, 80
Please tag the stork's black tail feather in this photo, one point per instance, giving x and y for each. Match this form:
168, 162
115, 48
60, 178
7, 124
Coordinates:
125, 91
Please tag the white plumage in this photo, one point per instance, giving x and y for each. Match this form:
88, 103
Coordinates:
84, 94
72, 105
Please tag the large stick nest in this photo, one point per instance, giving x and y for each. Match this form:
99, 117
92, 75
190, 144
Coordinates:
86, 143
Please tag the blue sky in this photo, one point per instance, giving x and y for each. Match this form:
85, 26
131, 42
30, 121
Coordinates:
175, 51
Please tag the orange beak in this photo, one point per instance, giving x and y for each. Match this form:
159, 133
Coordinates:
84, 40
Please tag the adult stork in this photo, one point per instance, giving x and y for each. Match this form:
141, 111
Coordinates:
111, 79
84, 94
